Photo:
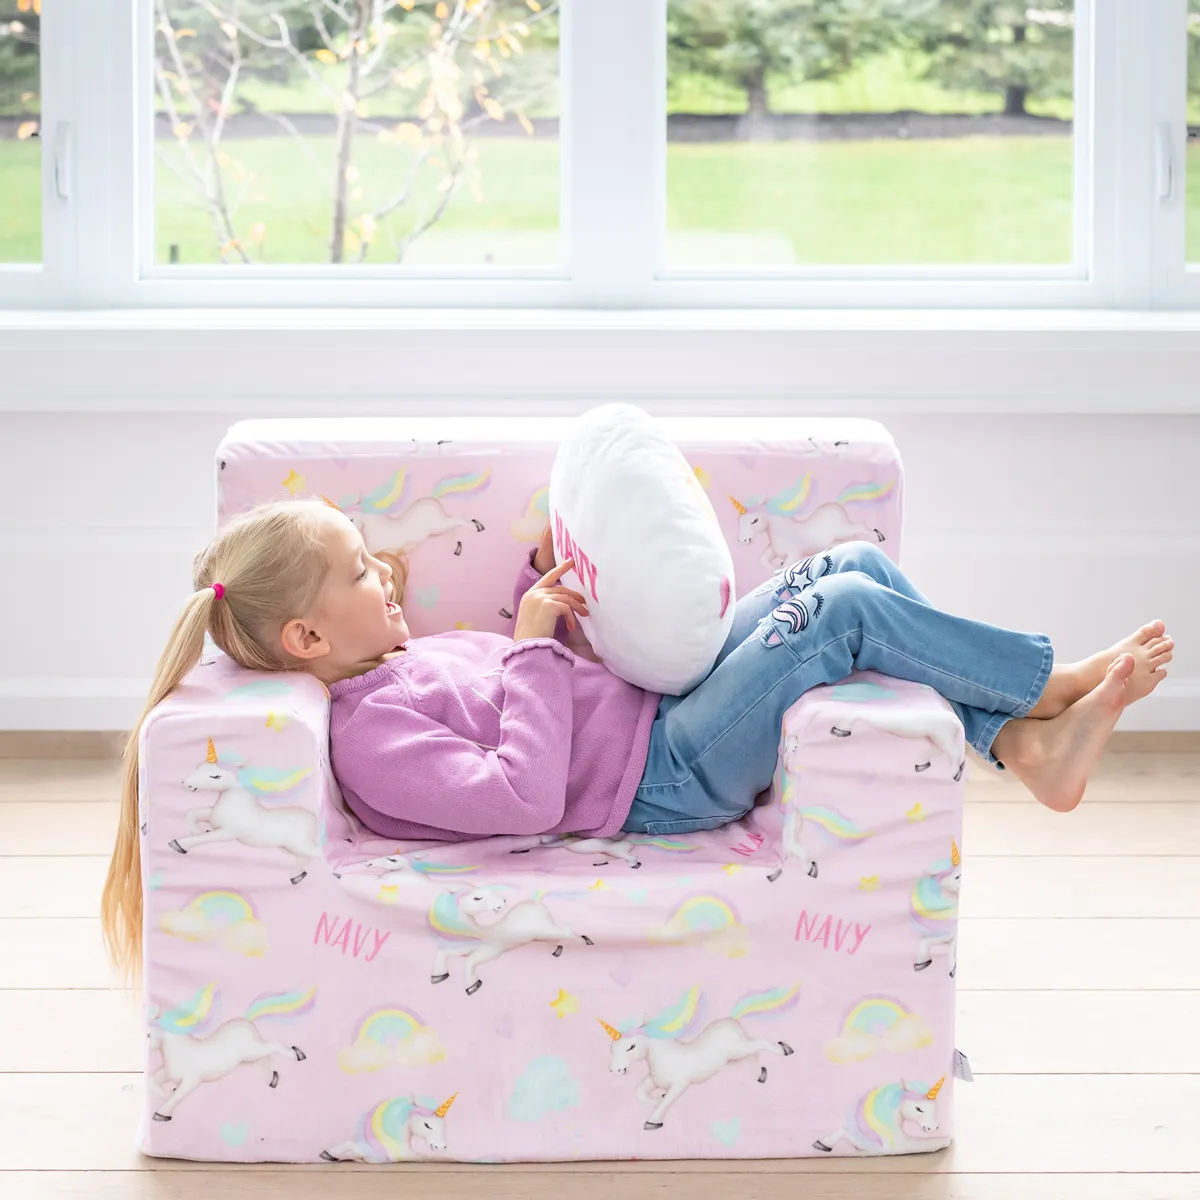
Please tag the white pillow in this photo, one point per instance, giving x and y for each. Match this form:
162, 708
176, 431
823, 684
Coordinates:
649, 554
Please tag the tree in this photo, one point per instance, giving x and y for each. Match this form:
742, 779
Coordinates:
20, 69
999, 46
439, 55
742, 41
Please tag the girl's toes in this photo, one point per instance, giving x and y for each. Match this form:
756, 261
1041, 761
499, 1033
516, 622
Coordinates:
1152, 630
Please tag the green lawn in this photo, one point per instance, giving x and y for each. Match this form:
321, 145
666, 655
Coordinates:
954, 200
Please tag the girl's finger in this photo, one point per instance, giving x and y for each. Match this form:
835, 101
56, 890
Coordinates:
561, 591
556, 573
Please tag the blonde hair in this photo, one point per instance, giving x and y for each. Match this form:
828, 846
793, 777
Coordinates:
272, 562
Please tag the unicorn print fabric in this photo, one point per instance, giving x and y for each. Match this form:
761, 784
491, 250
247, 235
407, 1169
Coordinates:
783, 986
649, 553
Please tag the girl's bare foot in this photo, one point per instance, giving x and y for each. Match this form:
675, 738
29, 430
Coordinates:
1151, 648
1053, 758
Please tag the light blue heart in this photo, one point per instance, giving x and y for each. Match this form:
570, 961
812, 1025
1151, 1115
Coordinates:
727, 1132
234, 1135
155, 881
427, 597
636, 895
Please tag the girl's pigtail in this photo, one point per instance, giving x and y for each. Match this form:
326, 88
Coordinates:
121, 901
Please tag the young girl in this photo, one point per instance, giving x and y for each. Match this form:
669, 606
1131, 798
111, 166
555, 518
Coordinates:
465, 734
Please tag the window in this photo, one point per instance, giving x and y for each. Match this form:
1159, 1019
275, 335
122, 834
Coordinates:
1193, 132
881, 131
613, 154
20, 132
355, 132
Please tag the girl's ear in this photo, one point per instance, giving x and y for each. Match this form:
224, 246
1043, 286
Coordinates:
302, 641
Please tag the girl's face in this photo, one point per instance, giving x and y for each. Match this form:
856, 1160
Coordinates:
355, 622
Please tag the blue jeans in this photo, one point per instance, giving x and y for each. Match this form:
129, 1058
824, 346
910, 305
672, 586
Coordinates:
714, 750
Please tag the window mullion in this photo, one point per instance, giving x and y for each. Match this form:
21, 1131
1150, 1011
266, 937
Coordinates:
614, 110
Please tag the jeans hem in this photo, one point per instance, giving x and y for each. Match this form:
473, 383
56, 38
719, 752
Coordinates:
987, 735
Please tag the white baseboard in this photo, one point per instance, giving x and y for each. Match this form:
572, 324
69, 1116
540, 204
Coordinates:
114, 704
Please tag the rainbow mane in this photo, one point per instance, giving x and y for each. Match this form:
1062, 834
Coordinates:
791, 500
760, 1004
227, 907
865, 493
194, 1015
445, 920
704, 914
387, 1026
874, 1015
678, 1019
930, 902
282, 1004
425, 868
258, 688
462, 485
383, 1130
834, 823
271, 781
668, 844
386, 499
878, 1114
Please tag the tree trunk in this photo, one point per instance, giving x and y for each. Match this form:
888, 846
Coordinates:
1015, 94
756, 124
344, 139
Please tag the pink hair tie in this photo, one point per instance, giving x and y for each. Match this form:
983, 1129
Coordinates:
219, 588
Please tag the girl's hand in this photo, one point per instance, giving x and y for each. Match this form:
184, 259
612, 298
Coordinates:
543, 560
545, 602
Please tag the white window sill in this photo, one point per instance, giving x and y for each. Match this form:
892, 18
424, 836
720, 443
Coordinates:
319, 362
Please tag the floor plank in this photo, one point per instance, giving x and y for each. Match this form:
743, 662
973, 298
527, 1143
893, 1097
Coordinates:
1118, 954
1101, 1123
50, 780
51, 886
1120, 777
1003, 1033
1148, 828
501, 1183
1085, 1033
1099, 886
59, 952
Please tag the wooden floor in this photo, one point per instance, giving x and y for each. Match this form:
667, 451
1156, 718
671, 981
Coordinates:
1079, 1006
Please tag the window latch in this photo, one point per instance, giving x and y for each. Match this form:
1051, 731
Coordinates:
64, 145
1164, 162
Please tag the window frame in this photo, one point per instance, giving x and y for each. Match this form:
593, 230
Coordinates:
1130, 103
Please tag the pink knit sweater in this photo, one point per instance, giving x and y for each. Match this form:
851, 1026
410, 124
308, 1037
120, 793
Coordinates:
469, 734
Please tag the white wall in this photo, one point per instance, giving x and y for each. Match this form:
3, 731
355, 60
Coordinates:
1081, 525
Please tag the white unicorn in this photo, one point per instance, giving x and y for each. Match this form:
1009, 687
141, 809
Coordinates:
673, 1066
793, 843
877, 1123
386, 1133
933, 904
237, 816
608, 849
454, 915
386, 523
791, 537
940, 725
190, 1056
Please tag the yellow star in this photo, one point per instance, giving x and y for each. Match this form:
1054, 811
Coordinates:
388, 892
916, 813
564, 1003
868, 883
731, 868
294, 482
277, 721
462, 624
595, 887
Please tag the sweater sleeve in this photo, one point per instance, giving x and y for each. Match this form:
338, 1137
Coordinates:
412, 768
